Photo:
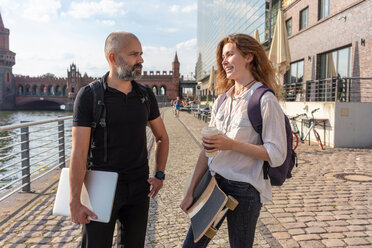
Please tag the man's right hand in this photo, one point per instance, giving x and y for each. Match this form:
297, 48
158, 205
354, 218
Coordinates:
79, 213
186, 203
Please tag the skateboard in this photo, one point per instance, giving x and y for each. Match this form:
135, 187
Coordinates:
209, 207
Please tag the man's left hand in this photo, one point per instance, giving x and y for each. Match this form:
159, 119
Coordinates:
156, 185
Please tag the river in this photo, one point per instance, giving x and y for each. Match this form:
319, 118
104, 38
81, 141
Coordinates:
43, 142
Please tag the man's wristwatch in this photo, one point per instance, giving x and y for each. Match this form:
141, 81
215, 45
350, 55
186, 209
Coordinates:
160, 175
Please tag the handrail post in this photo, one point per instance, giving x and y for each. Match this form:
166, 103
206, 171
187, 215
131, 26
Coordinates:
25, 146
61, 148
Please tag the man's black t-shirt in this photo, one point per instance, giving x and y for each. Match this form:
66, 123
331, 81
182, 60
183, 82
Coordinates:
126, 119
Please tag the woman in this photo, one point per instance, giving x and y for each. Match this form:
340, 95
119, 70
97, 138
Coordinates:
238, 167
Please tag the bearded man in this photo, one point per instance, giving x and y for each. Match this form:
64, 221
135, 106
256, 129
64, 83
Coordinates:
127, 115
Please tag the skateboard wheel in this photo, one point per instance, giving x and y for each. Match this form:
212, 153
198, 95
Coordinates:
231, 203
211, 232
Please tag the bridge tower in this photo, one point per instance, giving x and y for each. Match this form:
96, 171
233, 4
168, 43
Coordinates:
7, 60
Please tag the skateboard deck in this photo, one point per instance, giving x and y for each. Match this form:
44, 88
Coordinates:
209, 207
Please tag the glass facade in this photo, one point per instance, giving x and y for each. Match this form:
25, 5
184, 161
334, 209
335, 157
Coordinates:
219, 18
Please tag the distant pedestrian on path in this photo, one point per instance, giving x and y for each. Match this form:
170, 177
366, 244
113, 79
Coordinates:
177, 106
238, 167
123, 144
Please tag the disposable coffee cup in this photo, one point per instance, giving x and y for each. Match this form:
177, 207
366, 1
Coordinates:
207, 132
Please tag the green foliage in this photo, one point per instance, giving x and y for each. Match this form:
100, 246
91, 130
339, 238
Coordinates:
49, 75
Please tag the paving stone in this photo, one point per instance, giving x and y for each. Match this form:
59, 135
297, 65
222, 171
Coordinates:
315, 230
356, 241
306, 237
333, 243
311, 244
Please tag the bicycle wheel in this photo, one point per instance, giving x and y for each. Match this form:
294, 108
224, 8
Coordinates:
294, 141
318, 139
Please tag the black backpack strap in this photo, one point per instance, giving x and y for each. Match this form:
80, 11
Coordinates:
99, 115
255, 117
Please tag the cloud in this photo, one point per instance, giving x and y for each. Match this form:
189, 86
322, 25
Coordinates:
169, 30
107, 22
161, 58
183, 9
83, 10
40, 10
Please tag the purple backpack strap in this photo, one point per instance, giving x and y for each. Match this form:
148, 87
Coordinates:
255, 117
254, 108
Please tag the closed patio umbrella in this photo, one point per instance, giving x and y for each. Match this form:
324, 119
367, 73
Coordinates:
212, 79
279, 51
256, 35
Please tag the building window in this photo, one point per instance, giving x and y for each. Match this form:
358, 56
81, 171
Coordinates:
155, 90
20, 90
333, 66
304, 16
162, 90
288, 25
293, 82
323, 9
8, 77
72, 89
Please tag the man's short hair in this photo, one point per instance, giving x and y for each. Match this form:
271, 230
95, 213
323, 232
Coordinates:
115, 40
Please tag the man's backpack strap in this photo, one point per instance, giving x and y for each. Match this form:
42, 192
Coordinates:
255, 117
99, 114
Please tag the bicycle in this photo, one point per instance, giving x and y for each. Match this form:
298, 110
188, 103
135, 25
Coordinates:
296, 133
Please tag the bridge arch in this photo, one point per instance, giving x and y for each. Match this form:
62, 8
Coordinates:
163, 90
155, 89
20, 90
64, 92
34, 90
27, 90
40, 104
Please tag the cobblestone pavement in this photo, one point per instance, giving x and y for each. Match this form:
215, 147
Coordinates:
327, 203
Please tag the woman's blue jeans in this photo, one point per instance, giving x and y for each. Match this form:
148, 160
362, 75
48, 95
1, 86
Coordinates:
241, 222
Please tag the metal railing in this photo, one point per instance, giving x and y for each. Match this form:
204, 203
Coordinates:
329, 90
31, 150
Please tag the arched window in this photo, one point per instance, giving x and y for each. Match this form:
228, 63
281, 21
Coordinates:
34, 90
27, 91
43, 90
58, 90
50, 90
163, 90
20, 90
155, 90
64, 90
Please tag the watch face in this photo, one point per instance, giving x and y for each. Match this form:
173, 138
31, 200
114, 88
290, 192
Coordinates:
160, 175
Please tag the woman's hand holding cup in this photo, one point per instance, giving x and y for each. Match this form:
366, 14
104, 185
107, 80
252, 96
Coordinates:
209, 132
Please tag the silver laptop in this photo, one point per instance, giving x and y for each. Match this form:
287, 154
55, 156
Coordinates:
97, 194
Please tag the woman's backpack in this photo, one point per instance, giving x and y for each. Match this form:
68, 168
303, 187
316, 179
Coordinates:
278, 174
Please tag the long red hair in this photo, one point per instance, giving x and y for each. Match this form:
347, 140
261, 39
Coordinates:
260, 67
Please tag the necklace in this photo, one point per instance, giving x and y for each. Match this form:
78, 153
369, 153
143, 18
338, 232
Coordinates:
244, 88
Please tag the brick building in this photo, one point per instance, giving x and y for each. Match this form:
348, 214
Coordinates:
330, 46
50, 92
7, 60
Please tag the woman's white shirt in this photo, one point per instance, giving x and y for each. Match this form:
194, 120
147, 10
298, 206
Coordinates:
235, 124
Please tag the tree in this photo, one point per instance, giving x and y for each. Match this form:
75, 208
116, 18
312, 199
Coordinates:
49, 75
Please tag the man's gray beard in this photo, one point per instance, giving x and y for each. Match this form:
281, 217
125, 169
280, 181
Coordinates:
128, 75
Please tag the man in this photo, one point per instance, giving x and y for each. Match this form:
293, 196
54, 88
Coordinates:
126, 118
177, 108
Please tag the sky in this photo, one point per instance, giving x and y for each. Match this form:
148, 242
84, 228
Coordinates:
49, 35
